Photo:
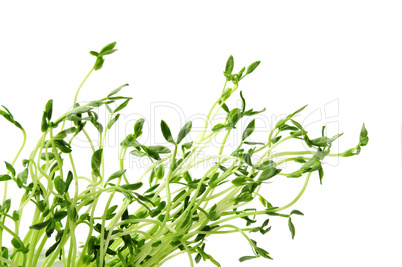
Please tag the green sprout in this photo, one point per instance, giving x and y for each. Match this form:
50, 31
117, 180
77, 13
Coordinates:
166, 211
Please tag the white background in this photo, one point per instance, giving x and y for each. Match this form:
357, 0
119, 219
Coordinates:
346, 54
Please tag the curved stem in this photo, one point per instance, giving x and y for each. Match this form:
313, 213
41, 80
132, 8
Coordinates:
188, 253
82, 83
297, 197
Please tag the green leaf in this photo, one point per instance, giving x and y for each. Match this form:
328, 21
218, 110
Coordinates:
10, 168
254, 143
59, 185
300, 159
229, 65
94, 53
8, 116
159, 149
266, 164
298, 125
297, 212
99, 63
39, 226
276, 139
60, 215
187, 145
269, 173
156, 244
198, 258
63, 146
212, 213
52, 248
363, 140
166, 132
16, 243
116, 90
234, 116
151, 189
247, 159
335, 137
44, 125
69, 179
115, 175
286, 127
122, 105
224, 106
219, 127
132, 186
138, 128
151, 153
96, 161
297, 111
262, 253
186, 220
49, 109
138, 153
162, 205
63, 134
295, 174
179, 195
4, 177
111, 209
109, 52
130, 141
241, 72
249, 130
226, 94
239, 180
184, 131
252, 67
144, 199
321, 174
80, 110
243, 106
107, 47
16, 216
291, 228
309, 163
111, 122
23, 176
251, 112
6, 205
321, 141
187, 177
246, 258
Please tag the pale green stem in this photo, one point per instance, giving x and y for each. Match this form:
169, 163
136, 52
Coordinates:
297, 197
82, 83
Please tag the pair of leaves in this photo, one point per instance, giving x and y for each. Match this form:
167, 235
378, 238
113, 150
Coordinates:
182, 134
258, 252
106, 50
363, 141
19, 245
63, 186
282, 122
290, 223
237, 77
204, 256
8, 116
